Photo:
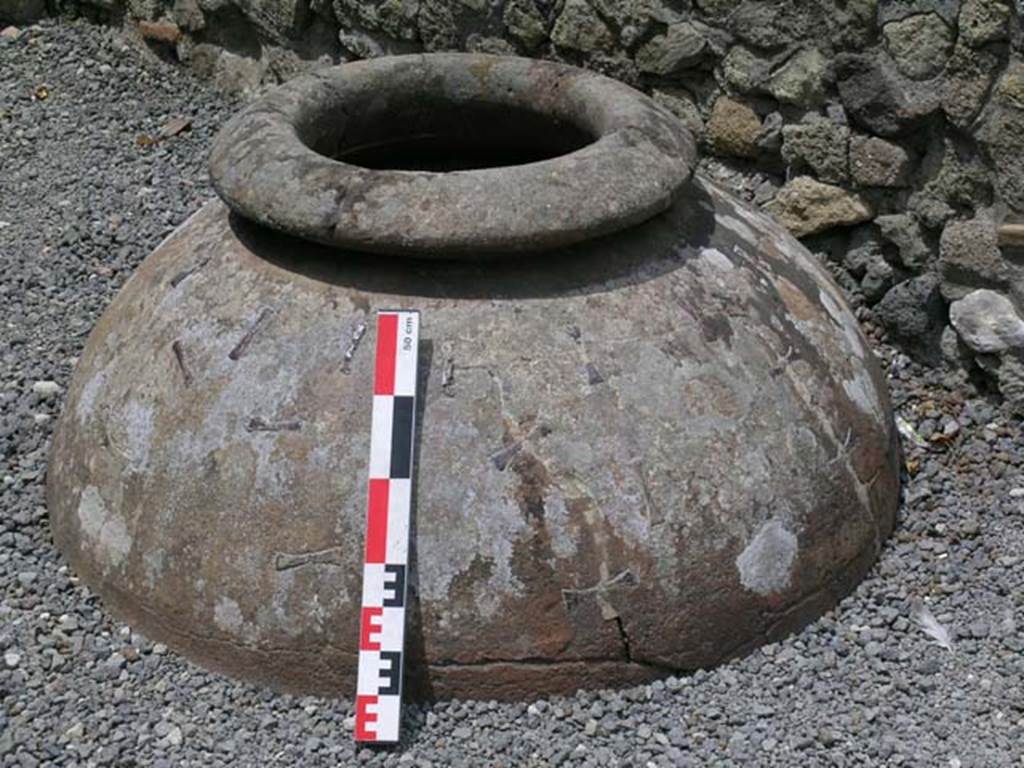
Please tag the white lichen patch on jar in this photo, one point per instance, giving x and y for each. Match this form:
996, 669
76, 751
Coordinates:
227, 615
766, 563
153, 563
103, 528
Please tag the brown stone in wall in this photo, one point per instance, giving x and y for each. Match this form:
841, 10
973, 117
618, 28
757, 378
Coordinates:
160, 31
806, 207
733, 128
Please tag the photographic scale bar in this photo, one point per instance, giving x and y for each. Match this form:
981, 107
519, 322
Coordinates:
386, 558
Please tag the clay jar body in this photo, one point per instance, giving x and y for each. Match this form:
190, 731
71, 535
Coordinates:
651, 435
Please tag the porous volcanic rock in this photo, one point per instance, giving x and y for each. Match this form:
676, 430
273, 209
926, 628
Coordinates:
806, 206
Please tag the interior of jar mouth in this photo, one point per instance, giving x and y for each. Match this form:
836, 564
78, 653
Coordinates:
428, 132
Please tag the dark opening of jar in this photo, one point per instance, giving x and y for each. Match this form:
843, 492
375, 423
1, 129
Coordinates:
440, 137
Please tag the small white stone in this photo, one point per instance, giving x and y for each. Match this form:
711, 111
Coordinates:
42, 418
12, 659
115, 660
987, 322
46, 389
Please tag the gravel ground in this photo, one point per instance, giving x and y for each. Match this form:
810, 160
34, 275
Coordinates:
85, 194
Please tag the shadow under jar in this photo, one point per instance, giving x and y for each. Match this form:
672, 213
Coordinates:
652, 436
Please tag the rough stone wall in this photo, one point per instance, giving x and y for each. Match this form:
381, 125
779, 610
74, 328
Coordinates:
888, 135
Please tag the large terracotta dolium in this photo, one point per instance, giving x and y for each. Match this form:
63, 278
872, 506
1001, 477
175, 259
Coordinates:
651, 435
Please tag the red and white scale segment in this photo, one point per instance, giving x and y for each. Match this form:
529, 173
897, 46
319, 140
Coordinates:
385, 564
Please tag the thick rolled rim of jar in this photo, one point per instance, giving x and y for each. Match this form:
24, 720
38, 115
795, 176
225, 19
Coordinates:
592, 156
